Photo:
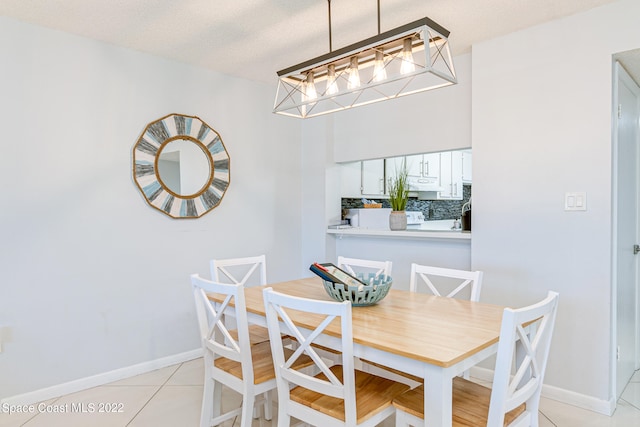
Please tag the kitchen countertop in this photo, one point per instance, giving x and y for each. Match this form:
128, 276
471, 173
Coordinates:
421, 231
434, 225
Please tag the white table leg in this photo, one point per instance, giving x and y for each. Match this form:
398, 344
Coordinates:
438, 394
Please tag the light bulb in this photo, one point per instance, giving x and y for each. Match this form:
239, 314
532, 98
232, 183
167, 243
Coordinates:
379, 72
332, 84
354, 75
310, 87
408, 66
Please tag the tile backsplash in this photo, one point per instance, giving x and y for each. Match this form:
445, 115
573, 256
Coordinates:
432, 209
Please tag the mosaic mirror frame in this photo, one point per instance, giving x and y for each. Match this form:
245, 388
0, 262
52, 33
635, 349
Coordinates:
146, 155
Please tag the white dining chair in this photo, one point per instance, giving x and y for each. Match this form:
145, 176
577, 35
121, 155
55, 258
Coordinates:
364, 266
513, 400
227, 359
338, 395
247, 271
234, 362
458, 283
438, 279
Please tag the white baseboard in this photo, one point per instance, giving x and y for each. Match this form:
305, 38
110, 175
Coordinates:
100, 379
561, 395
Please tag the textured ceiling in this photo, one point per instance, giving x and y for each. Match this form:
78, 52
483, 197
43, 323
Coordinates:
255, 38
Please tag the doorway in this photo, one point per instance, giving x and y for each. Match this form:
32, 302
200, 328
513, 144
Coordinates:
626, 159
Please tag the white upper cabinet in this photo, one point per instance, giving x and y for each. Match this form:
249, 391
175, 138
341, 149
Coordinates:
466, 166
351, 180
424, 165
433, 176
431, 164
393, 165
414, 166
451, 175
373, 177
358, 179
424, 173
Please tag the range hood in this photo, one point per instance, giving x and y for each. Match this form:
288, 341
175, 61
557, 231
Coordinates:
425, 188
424, 184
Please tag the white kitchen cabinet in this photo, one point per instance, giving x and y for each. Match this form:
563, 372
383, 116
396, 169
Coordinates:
393, 165
362, 179
431, 164
466, 166
445, 176
423, 165
446, 170
350, 180
414, 166
451, 175
456, 175
373, 177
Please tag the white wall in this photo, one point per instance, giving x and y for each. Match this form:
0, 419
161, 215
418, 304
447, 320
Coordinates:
541, 104
92, 278
436, 120
317, 182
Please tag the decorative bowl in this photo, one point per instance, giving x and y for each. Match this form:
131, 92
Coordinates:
375, 289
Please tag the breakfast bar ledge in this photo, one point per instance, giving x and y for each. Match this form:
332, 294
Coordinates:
408, 234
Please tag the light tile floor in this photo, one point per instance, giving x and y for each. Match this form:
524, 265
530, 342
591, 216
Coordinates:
171, 397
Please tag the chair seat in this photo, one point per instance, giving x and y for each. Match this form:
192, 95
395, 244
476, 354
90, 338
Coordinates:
262, 363
373, 394
470, 404
257, 334
395, 371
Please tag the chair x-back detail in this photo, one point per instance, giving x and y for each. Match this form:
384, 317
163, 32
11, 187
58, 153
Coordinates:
376, 267
525, 339
228, 360
245, 271
235, 270
336, 396
464, 279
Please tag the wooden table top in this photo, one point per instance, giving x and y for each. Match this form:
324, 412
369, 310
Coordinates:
436, 330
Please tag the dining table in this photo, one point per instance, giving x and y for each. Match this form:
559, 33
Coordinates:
431, 337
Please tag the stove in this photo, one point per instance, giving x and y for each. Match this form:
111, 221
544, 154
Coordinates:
414, 217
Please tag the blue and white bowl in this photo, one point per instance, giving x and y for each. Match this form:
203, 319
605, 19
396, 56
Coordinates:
375, 289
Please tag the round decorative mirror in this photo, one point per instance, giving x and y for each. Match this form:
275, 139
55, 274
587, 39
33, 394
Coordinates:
181, 166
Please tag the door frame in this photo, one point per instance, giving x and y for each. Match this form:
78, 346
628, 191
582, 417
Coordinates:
620, 75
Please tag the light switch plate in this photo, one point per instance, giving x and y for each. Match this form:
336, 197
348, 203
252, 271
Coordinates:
575, 201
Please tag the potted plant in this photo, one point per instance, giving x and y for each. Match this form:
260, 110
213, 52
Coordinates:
398, 195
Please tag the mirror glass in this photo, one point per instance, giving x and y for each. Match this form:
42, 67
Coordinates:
183, 167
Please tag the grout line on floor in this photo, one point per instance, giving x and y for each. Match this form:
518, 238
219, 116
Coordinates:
548, 419
144, 406
154, 394
629, 403
171, 376
54, 400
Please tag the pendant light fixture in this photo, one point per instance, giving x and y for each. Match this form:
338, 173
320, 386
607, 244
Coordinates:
409, 59
379, 70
